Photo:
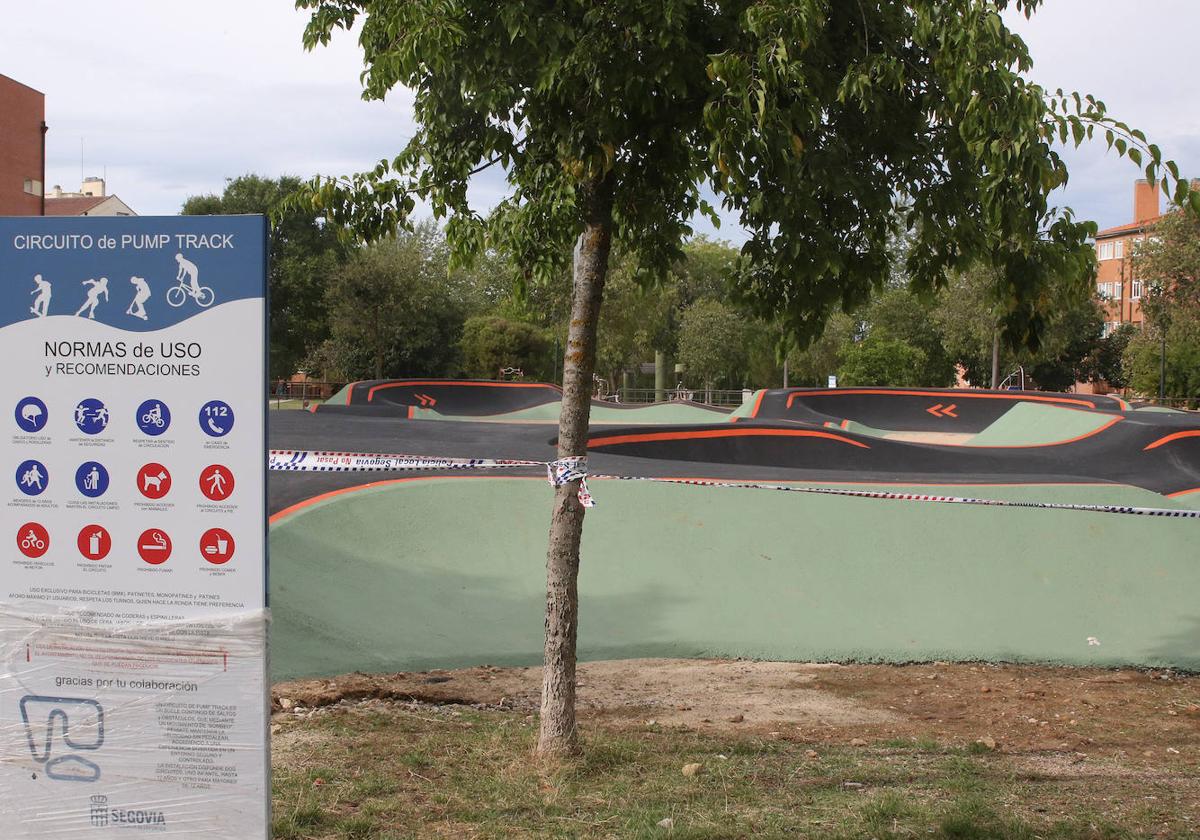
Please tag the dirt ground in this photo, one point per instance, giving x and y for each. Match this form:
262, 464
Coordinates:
1056, 716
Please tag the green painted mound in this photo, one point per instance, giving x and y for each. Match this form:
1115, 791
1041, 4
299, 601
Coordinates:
1035, 424
652, 414
419, 574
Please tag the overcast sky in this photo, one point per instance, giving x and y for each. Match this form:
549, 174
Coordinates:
171, 98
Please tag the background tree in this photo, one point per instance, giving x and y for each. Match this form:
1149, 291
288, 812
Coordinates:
712, 344
804, 117
882, 361
490, 343
392, 311
1169, 263
304, 253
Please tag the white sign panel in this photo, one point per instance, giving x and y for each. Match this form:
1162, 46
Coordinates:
133, 688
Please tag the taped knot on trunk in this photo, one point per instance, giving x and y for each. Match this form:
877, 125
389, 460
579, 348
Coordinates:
565, 470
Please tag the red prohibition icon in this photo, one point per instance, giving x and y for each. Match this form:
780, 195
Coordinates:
33, 540
153, 481
216, 546
154, 546
94, 542
216, 482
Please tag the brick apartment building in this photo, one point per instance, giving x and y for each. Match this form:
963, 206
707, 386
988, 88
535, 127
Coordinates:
22, 149
1117, 278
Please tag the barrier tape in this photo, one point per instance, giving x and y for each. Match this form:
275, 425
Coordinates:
571, 469
557, 472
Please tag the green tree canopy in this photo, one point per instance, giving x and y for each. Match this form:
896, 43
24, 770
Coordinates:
393, 312
712, 344
490, 344
304, 252
882, 361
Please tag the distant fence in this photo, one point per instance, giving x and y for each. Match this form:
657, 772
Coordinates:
726, 398
1186, 403
305, 392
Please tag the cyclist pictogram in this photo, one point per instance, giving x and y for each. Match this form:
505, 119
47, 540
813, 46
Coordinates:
153, 417
33, 540
188, 278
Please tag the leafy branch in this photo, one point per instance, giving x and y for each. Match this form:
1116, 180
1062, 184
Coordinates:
1074, 118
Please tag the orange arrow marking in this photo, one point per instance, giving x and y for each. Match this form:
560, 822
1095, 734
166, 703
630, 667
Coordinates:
426, 400
942, 411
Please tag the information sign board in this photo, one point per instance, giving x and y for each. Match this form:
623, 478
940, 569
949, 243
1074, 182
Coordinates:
133, 687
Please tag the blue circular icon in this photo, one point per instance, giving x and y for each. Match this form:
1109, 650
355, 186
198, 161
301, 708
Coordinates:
32, 478
92, 479
91, 416
216, 418
153, 417
31, 415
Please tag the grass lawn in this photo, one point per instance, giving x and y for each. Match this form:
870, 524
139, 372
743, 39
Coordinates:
392, 769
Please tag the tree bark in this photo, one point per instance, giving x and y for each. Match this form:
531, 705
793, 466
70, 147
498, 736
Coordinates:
558, 734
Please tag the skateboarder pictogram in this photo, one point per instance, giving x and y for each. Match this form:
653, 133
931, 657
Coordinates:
138, 307
41, 303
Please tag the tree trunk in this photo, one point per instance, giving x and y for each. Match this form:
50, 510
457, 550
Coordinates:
558, 735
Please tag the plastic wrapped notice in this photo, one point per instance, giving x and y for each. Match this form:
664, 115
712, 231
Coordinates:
155, 727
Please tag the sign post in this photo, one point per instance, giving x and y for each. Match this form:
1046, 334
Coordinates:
133, 666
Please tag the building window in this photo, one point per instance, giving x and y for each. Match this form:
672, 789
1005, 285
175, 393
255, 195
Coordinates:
1136, 290
1104, 250
1110, 327
33, 187
1119, 249
1105, 290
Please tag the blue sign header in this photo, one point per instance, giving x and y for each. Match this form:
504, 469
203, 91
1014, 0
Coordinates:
137, 273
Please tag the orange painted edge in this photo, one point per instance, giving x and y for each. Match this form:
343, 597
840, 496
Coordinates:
1179, 493
758, 402
720, 433
1174, 436
350, 390
405, 383
932, 394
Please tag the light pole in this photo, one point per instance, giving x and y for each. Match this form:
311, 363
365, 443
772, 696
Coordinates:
1162, 367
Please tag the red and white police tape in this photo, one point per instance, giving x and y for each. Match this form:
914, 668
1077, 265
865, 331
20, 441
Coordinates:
570, 469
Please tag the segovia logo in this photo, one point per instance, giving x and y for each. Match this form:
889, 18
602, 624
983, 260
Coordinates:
102, 815
99, 811
137, 817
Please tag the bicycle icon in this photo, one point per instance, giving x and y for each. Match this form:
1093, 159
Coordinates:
188, 279
178, 295
153, 417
